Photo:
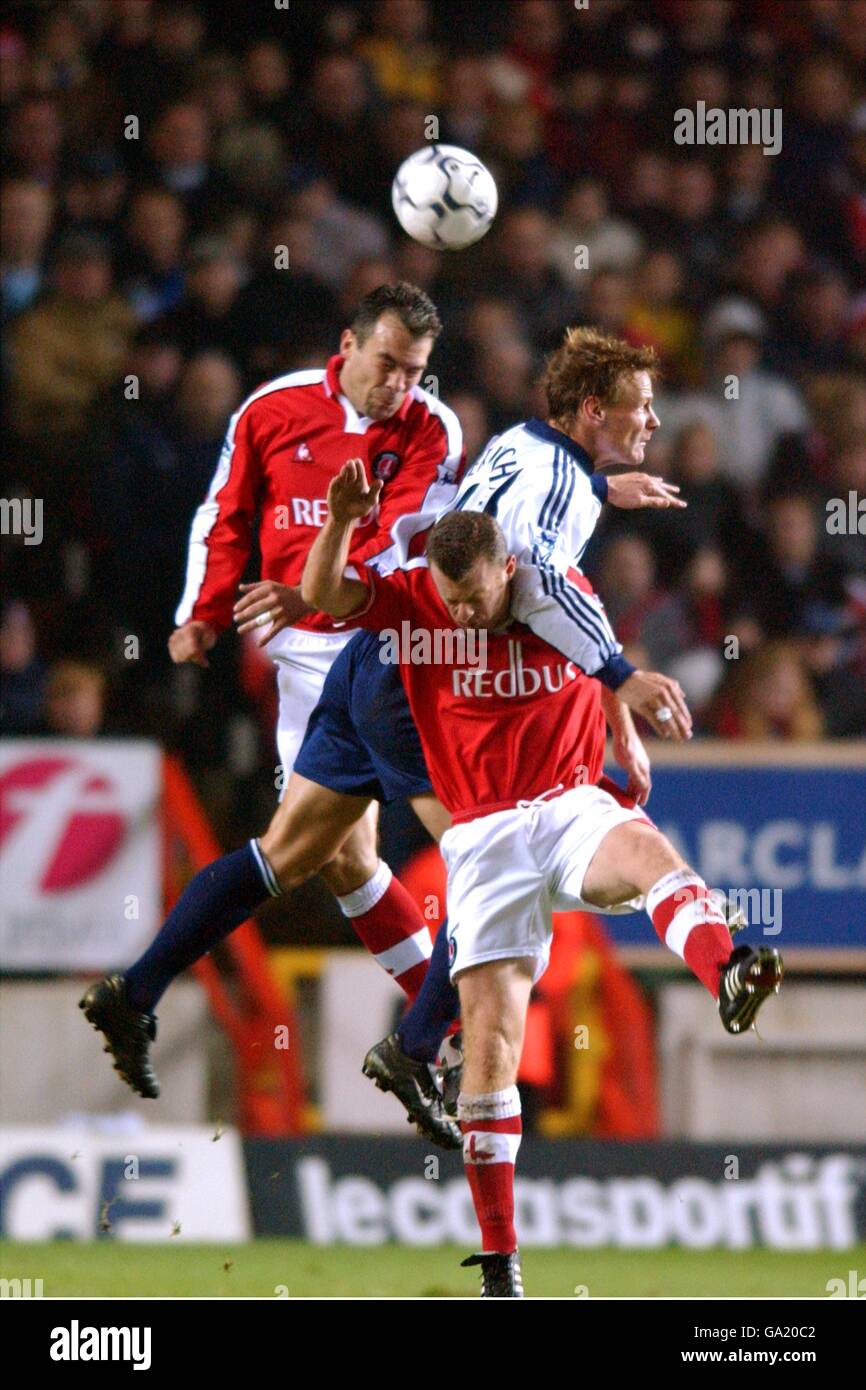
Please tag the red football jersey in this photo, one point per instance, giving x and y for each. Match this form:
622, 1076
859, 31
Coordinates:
283, 447
521, 721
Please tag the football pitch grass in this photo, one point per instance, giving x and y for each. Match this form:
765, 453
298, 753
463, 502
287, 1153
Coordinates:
273, 1268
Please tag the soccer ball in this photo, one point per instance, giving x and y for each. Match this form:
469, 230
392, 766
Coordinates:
444, 197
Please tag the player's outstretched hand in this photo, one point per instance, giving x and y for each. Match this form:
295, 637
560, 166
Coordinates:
350, 496
661, 702
268, 606
630, 490
190, 643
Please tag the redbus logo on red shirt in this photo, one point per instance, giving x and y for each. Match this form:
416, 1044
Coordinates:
517, 679
306, 511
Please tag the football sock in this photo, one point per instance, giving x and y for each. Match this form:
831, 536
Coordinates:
691, 924
389, 922
217, 900
426, 1021
491, 1137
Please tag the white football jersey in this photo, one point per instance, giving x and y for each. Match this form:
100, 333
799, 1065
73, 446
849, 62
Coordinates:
540, 486
541, 489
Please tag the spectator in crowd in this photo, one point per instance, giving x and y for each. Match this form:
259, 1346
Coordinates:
249, 153
26, 213
515, 151
156, 225
337, 98
803, 460
640, 611
75, 694
768, 696
522, 264
585, 223
403, 61
22, 673
159, 471
747, 408
268, 79
466, 102
208, 316
34, 138
800, 584
95, 192
70, 344
180, 158
660, 316
342, 235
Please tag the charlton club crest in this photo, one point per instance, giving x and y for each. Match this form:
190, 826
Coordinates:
385, 465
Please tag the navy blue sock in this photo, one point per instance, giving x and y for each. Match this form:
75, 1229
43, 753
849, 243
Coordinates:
216, 901
425, 1023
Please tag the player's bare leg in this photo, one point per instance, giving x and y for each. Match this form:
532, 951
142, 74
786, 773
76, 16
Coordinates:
494, 998
314, 829
318, 830
636, 860
432, 815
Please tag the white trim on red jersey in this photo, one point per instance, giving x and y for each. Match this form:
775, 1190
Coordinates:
439, 497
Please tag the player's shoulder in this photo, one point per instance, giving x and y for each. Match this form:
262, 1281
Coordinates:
521, 445
287, 391
427, 408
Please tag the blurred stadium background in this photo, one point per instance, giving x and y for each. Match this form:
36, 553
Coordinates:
145, 251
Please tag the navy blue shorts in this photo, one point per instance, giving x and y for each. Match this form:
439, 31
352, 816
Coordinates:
361, 738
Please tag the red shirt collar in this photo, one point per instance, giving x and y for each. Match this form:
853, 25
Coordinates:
333, 388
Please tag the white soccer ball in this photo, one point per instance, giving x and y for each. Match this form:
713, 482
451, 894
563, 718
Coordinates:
444, 197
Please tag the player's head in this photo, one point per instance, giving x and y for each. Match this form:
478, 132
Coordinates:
471, 568
386, 348
599, 391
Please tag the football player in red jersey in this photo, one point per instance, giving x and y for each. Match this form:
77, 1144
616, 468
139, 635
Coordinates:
515, 747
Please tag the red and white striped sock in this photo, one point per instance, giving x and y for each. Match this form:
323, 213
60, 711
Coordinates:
390, 925
691, 924
491, 1137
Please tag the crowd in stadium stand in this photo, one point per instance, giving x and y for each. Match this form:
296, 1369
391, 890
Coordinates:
156, 154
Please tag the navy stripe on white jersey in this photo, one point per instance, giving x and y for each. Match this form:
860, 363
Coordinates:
547, 504
572, 622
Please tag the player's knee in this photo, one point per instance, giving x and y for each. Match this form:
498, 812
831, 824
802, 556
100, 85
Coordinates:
350, 868
292, 862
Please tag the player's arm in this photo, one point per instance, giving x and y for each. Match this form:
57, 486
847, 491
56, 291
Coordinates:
570, 617
324, 583
628, 748
219, 545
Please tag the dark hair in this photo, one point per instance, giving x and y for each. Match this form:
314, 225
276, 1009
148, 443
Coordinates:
590, 363
415, 310
460, 538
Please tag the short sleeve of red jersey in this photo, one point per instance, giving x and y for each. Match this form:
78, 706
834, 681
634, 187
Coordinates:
221, 535
389, 602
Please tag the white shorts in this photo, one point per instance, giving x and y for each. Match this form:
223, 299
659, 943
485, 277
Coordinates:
509, 871
303, 660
